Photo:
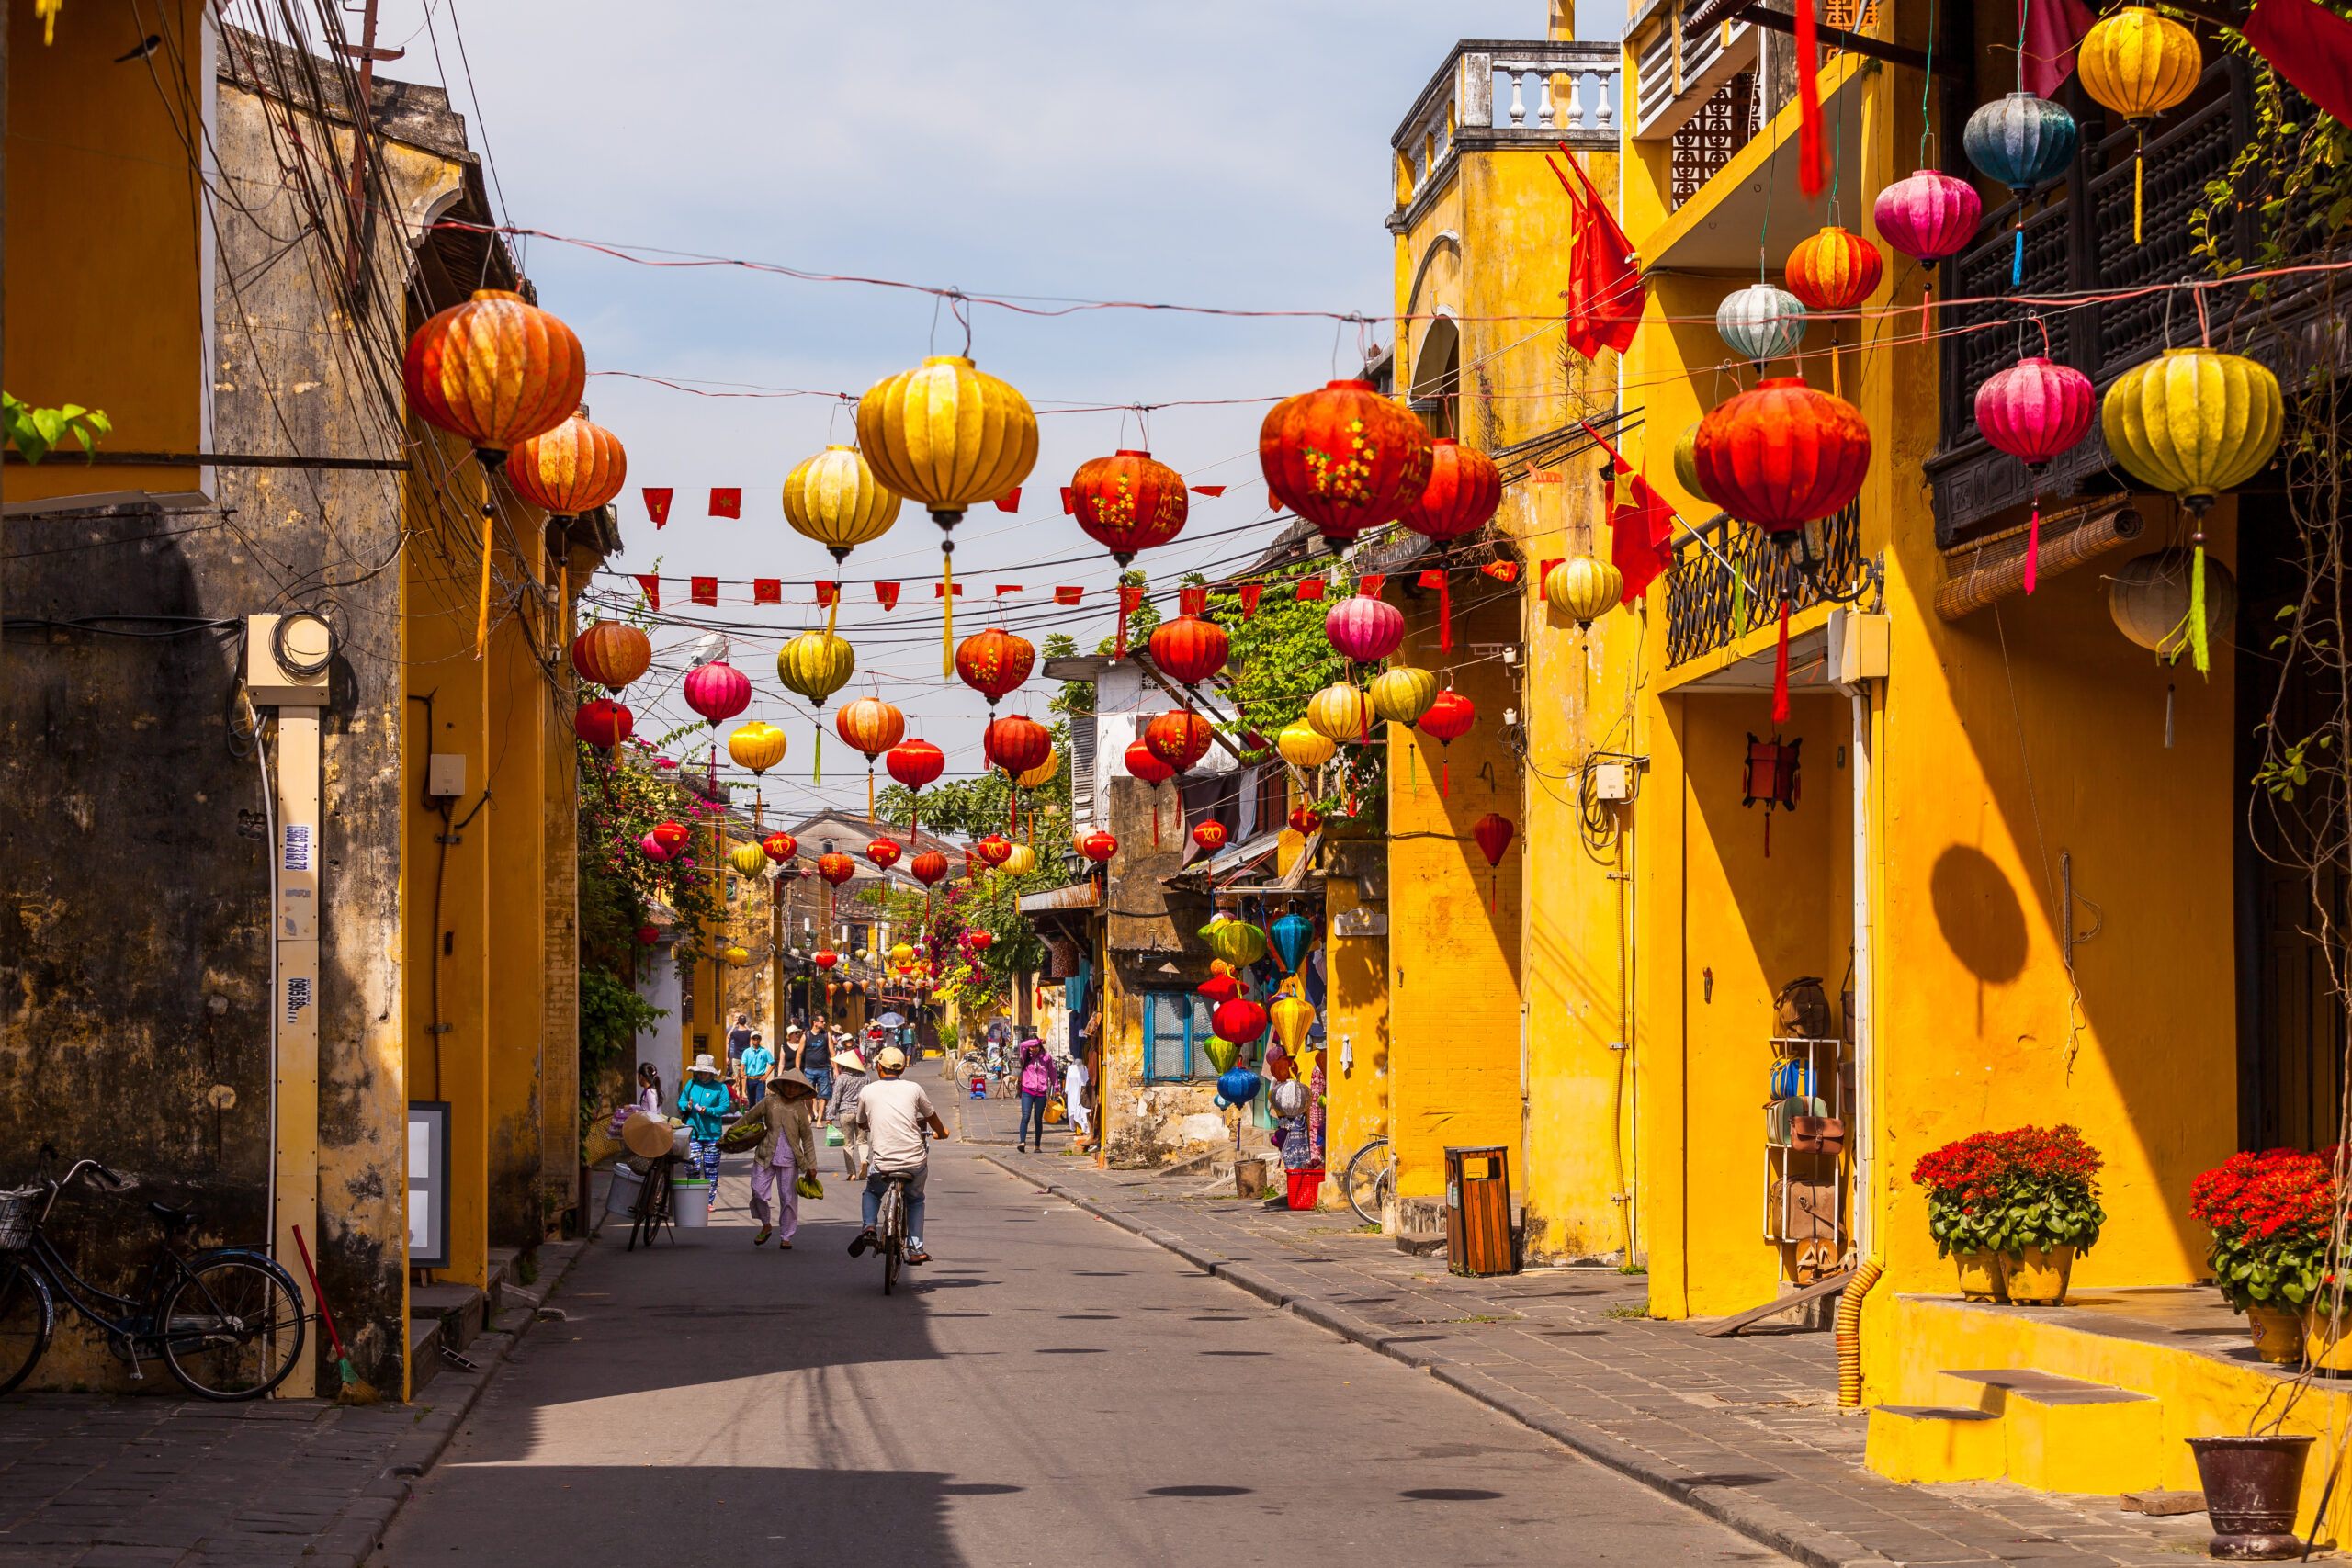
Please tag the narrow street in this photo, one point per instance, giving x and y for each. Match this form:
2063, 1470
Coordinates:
1053, 1390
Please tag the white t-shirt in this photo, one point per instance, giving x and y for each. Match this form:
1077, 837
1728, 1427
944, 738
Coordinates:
894, 1112
1074, 1082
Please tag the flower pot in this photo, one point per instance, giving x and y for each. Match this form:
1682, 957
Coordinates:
2327, 1338
2037, 1275
1981, 1276
2278, 1333
2251, 1485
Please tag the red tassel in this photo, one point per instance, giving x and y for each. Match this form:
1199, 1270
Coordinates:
1812, 171
1155, 824
1780, 672
1768, 832
1445, 778
1491, 895
1445, 614
2033, 544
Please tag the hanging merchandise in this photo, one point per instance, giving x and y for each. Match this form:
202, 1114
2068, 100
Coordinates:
573, 469
1760, 323
1584, 589
1340, 712
949, 436
1345, 458
1236, 1087
1127, 502
1290, 936
1464, 490
1770, 778
1292, 1016
1210, 836
1832, 271
1493, 834
2035, 410
1099, 846
884, 853
603, 723
2023, 142
824, 958
1402, 695
1179, 737
2149, 596
994, 663
1237, 941
2138, 64
994, 849
1189, 649
836, 868
780, 847
2194, 421
611, 654
835, 499
1218, 988
496, 370
1241, 1020
758, 746
1305, 820
749, 860
870, 726
1364, 627
1304, 746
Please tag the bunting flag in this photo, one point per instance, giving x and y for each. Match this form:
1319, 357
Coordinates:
1208, 489
826, 592
1192, 601
1010, 501
1545, 476
939, 591
2052, 29
1067, 595
702, 590
1543, 572
1501, 571
1370, 584
1250, 595
2309, 45
1436, 576
652, 586
1310, 588
1069, 502
726, 502
1004, 588
657, 506
767, 590
1130, 598
887, 595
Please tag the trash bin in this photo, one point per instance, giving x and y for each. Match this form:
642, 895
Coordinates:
690, 1203
1477, 1212
621, 1201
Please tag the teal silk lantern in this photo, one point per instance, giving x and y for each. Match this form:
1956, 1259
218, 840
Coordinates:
2024, 142
1761, 322
1290, 937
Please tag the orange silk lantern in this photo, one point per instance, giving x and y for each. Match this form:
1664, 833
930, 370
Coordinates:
1345, 458
836, 869
1210, 836
994, 663
611, 654
1464, 489
575, 467
871, 727
1179, 737
1833, 270
928, 867
1189, 649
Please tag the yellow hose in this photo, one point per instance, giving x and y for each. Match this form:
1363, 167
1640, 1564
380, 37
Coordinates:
1849, 1334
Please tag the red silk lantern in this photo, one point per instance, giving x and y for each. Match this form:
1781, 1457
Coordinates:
1219, 989
1363, 628
1305, 820
575, 467
1493, 834
1129, 501
653, 848
496, 370
611, 654
1210, 836
994, 663
1189, 649
1464, 490
825, 959
1179, 737
979, 940
836, 868
2034, 411
1099, 846
1145, 763
671, 836
649, 935
928, 867
1449, 718
884, 853
718, 691
1241, 1020
915, 763
781, 847
1345, 458
1015, 744
995, 849
603, 723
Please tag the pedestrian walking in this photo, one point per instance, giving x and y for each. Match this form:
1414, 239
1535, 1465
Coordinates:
704, 1103
758, 1063
738, 1040
1074, 1100
820, 1073
850, 1077
787, 1150
1036, 1077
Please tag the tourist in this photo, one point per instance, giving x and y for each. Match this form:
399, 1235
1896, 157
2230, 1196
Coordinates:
704, 1103
1036, 1078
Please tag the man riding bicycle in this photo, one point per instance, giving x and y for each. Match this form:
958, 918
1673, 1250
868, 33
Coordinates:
895, 1114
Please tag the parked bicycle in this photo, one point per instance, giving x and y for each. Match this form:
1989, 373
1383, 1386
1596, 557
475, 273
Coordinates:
1371, 1180
227, 1321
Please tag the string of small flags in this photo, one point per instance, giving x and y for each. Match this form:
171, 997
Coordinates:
705, 591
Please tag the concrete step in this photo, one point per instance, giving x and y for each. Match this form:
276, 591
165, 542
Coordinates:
1935, 1442
461, 1310
2066, 1434
424, 1352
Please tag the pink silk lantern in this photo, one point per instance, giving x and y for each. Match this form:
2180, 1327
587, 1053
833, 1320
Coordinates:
2035, 410
1930, 215
653, 848
718, 691
1363, 628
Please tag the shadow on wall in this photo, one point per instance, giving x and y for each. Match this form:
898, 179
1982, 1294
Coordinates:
1979, 914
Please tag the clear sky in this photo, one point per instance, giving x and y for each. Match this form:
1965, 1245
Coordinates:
1227, 152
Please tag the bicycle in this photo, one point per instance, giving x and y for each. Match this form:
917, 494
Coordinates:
1374, 1184
226, 1321
891, 1226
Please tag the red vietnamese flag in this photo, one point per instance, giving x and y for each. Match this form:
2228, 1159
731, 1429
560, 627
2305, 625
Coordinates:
1208, 489
652, 586
767, 590
1310, 588
657, 505
1501, 571
1010, 501
887, 593
1249, 595
1543, 572
1369, 586
1192, 601
704, 590
1068, 596
1004, 588
726, 502
826, 592
939, 591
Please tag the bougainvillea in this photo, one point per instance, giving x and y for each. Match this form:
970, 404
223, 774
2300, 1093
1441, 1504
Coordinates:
2007, 1191
2270, 1214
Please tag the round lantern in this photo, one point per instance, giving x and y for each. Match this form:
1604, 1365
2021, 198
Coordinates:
2138, 64
1584, 589
1686, 465
575, 467
1761, 322
1304, 746
1236, 1086
780, 847
902, 954
2023, 141
1144, 763
1218, 988
1345, 458
915, 763
1464, 489
1099, 846
1401, 695
649, 935
1015, 744
1021, 862
834, 499
749, 860
1224, 1056
1189, 649
2035, 410
1363, 628
611, 654
928, 867
1290, 936
496, 370
1292, 1016
757, 746
994, 848
1241, 1020
1237, 941
1448, 719
884, 853
737, 955
1042, 774
1340, 712
603, 723
1129, 501
1179, 737
718, 691
1929, 215
671, 836
994, 663
815, 664
654, 849
836, 869
2149, 600
1305, 820
824, 959
870, 726
1783, 456
1210, 836
1831, 270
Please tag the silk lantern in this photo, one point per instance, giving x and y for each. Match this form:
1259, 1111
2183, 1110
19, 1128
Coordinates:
1014, 744
2022, 141
835, 499
611, 654
1449, 718
1402, 695
1021, 862
671, 835
1099, 846
737, 955
1189, 649
1464, 490
1241, 1020
1218, 988
1761, 322
1236, 1087
1929, 215
950, 437
718, 691
994, 663
1210, 836
836, 869
928, 867
654, 849
749, 860
2035, 410
1129, 501
1145, 763
884, 853
1832, 270
757, 746
824, 958
870, 726
1363, 628
1293, 1017
1304, 746
1686, 465
1305, 820
1237, 941
780, 847
1290, 936
649, 934
1493, 834
915, 763
603, 723
2194, 421
993, 848
1340, 712
2138, 64
2149, 599
1345, 458
1179, 737
1042, 774
573, 469
1584, 588
815, 664
1223, 1054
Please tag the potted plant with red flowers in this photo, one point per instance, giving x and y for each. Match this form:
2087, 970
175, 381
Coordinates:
2270, 1214
1963, 1187
2028, 1195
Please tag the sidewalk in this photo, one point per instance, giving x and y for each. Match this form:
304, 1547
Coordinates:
101, 1481
1746, 1429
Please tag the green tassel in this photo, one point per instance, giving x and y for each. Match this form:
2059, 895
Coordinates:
2198, 654
1739, 606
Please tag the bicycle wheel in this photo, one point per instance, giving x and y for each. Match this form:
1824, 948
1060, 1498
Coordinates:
27, 1318
893, 1228
1370, 1177
232, 1328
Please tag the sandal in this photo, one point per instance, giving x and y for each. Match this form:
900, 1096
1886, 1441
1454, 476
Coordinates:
765, 1231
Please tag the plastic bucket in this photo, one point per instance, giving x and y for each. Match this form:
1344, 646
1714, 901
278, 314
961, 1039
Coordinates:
681, 1141
690, 1201
621, 1201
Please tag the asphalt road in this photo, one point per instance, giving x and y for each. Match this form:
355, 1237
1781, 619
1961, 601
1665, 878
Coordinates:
1051, 1390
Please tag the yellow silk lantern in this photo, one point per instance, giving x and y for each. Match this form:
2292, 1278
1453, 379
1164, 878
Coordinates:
1021, 862
1042, 774
1401, 695
1584, 589
1303, 745
834, 499
738, 956
1686, 464
749, 859
2194, 421
2139, 64
1291, 1016
902, 954
950, 437
1340, 712
815, 664
758, 746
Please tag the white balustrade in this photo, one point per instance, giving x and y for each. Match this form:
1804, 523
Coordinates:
1546, 92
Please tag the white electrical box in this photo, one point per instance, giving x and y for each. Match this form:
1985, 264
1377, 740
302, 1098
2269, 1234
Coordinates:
308, 644
1612, 781
1858, 647
445, 774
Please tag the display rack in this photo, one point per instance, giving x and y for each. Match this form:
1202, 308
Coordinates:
1805, 1188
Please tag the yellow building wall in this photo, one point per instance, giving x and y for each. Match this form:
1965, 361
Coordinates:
1355, 1035
515, 823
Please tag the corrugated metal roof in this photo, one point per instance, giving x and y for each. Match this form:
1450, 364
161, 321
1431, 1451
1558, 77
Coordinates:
1087, 895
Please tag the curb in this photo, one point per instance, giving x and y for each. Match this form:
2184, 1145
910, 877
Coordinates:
1763, 1523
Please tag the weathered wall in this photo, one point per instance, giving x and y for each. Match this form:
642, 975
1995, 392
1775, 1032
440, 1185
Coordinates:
1150, 942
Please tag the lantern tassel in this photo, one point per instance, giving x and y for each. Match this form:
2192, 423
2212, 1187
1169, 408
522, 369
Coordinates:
1811, 166
2033, 544
1155, 821
869, 792
947, 598
1837, 372
816, 762
1445, 611
2199, 653
1445, 779
1780, 670
2017, 253
489, 532
2139, 181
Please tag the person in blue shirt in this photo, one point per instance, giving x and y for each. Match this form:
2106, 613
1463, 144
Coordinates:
757, 1060
704, 1102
